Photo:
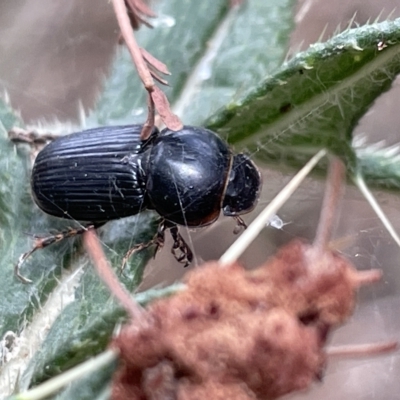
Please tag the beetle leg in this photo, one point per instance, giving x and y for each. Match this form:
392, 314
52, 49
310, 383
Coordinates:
42, 242
139, 247
180, 249
132, 251
158, 240
34, 139
239, 224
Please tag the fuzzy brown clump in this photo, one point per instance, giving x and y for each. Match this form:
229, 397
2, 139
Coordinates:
237, 334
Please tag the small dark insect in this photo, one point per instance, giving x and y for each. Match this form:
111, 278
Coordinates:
107, 173
285, 108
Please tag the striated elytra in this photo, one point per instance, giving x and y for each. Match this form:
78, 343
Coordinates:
107, 173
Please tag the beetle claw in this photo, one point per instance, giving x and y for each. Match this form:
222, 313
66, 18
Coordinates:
239, 224
139, 247
21, 260
180, 249
158, 240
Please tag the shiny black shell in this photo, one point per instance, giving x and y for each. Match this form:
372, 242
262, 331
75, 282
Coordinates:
94, 175
187, 175
108, 173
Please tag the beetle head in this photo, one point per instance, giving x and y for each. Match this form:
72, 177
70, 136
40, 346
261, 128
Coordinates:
244, 186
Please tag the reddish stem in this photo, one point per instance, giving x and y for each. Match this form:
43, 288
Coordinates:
360, 278
149, 124
364, 350
127, 33
330, 204
108, 276
160, 102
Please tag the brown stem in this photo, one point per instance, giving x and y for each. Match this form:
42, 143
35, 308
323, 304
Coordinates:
108, 276
329, 205
127, 33
139, 7
172, 121
360, 278
149, 124
160, 102
364, 350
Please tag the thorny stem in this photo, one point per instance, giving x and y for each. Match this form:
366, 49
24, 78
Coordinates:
127, 33
143, 71
108, 276
157, 99
332, 197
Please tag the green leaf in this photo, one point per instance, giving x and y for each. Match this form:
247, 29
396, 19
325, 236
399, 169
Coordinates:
291, 111
85, 326
88, 334
380, 164
95, 386
316, 99
96, 383
18, 215
19, 301
252, 43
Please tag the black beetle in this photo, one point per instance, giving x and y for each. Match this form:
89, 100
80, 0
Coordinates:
107, 173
